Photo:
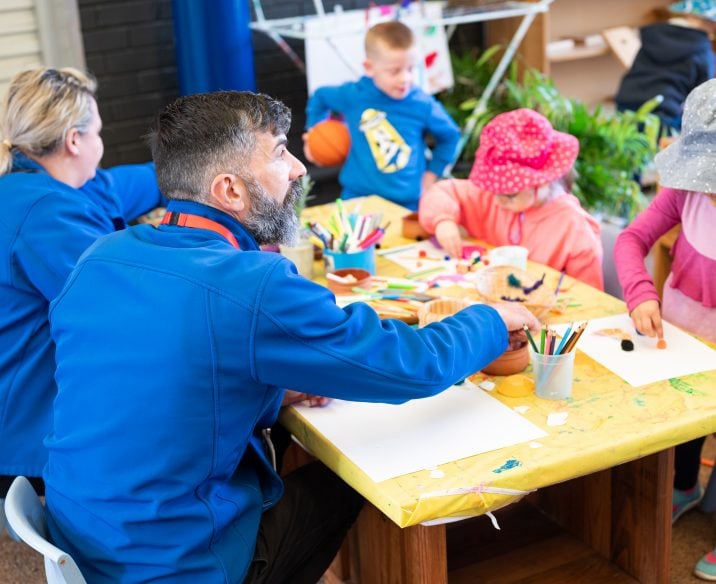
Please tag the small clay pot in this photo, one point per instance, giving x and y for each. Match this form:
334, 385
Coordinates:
510, 362
412, 229
362, 280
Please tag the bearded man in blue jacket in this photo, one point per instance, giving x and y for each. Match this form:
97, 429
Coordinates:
174, 345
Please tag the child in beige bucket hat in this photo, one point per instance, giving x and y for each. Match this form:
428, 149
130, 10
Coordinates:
687, 173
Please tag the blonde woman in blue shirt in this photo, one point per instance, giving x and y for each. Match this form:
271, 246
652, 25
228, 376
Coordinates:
55, 204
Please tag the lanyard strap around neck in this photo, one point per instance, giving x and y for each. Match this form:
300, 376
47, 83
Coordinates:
199, 222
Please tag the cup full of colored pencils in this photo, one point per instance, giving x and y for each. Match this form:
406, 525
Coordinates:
348, 239
552, 360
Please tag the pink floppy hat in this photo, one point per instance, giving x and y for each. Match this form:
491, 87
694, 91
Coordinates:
520, 150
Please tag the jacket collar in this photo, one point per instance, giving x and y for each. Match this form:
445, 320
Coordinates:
22, 163
245, 239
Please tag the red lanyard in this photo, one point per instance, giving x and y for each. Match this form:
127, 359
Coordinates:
199, 222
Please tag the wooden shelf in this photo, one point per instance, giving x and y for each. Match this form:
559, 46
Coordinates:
534, 548
577, 53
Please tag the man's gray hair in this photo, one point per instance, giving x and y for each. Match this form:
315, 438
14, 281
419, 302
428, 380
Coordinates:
200, 136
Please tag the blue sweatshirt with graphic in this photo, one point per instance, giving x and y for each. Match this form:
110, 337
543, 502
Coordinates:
388, 146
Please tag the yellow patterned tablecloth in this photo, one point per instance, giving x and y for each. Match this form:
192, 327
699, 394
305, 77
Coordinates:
609, 422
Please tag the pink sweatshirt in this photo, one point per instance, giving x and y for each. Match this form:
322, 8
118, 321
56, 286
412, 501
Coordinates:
693, 271
559, 234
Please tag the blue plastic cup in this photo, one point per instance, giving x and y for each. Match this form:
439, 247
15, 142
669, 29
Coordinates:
365, 259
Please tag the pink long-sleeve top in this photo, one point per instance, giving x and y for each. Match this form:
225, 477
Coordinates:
693, 270
559, 233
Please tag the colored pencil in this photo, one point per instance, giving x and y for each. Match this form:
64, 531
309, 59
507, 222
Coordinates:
563, 341
574, 338
559, 283
530, 339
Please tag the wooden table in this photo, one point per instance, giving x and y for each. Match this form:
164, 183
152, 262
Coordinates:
609, 468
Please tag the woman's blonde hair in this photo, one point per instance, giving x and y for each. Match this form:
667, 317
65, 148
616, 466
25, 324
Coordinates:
40, 107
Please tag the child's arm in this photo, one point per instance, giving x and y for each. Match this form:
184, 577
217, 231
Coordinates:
429, 179
632, 247
447, 135
324, 101
586, 266
440, 213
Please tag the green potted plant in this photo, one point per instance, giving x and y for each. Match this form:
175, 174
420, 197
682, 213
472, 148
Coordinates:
614, 147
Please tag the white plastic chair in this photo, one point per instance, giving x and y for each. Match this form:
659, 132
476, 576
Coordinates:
26, 516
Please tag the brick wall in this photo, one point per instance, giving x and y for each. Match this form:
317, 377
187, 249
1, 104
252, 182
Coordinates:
129, 45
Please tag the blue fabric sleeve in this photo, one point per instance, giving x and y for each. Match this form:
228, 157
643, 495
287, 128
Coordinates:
705, 67
137, 188
310, 344
447, 136
55, 234
324, 101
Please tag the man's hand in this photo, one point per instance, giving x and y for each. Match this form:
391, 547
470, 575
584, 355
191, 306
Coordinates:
515, 317
291, 397
647, 319
448, 235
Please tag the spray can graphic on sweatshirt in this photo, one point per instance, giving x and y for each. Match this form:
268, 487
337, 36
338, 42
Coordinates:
387, 146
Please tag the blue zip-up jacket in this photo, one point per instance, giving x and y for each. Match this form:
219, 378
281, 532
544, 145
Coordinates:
672, 61
387, 155
44, 228
172, 349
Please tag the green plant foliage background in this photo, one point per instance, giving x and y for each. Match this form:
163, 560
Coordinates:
614, 147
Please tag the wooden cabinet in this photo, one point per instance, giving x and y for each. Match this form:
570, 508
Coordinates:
588, 70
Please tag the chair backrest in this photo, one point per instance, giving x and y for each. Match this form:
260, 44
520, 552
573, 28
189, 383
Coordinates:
26, 516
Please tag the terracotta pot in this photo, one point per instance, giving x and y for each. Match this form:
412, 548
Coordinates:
509, 362
412, 229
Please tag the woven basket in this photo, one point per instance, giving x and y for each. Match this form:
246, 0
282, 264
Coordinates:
492, 285
440, 308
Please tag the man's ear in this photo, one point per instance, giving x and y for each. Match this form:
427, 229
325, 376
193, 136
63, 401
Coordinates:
368, 68
228, 193
71, 141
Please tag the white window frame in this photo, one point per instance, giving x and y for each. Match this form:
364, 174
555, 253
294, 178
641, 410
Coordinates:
60, 33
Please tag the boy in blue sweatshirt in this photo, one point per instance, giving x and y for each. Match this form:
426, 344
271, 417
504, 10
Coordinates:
388, 120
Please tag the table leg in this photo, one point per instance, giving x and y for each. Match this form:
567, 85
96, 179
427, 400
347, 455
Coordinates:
624, 513
414, 555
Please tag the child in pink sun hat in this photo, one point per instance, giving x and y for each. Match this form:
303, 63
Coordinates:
518, 194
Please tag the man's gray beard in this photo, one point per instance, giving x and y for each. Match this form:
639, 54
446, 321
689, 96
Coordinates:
270, 221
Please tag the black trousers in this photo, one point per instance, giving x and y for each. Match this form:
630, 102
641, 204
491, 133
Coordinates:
6, 481
687, 461
300, 536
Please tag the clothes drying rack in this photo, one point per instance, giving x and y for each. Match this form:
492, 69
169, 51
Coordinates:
295, 27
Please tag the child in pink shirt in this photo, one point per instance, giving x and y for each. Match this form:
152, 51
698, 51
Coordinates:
517, 194
687, 170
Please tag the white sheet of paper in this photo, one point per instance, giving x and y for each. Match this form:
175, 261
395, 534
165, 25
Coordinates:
407, 257
387, 441
645, 364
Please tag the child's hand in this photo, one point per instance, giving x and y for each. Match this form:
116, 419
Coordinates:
307, 150
448, 235
647, 319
